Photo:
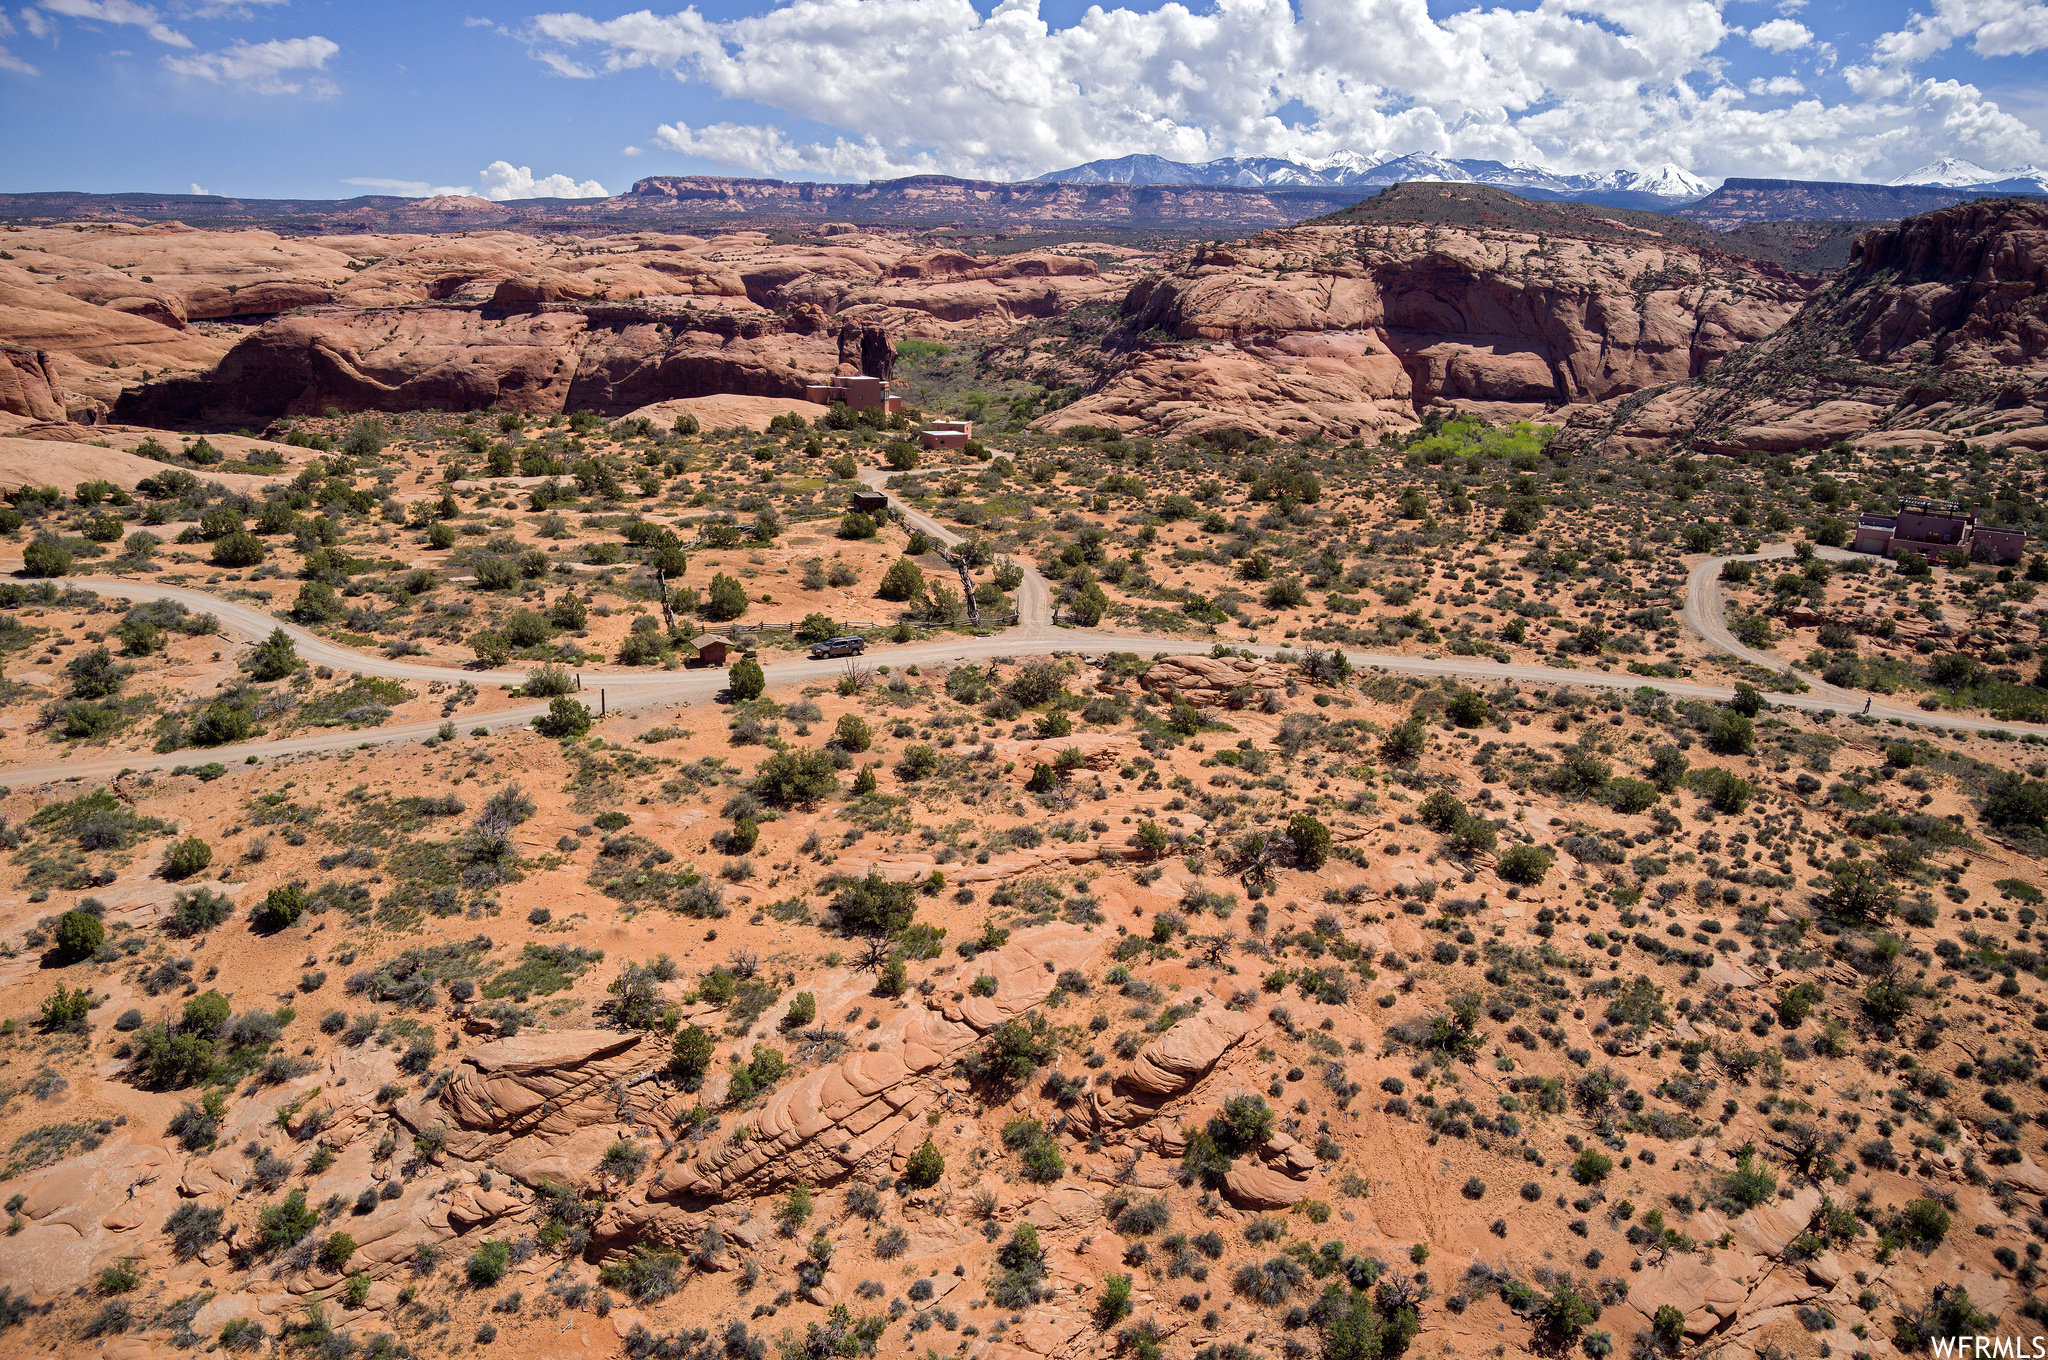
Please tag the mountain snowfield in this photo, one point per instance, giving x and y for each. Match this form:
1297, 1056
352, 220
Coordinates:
1374, 169
1952, 172
1661, 186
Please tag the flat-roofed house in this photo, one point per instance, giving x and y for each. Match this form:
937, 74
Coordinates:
859, 392
946, 434
1931, 528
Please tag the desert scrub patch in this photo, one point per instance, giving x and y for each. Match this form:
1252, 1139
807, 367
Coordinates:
234, 714
376, 820
628, 869
409, 978
362, 703
422, 865
70, 832
278, 809
750, 1000
52, 1143
882, 813
96, 821
542, 968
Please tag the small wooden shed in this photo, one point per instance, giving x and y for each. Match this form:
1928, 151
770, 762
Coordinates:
870, 502
711, 650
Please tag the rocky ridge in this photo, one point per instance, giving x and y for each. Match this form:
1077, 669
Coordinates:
1344, 331
1938, 327
177, 325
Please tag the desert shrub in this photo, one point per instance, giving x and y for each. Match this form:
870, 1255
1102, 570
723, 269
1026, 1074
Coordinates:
745, 680
194, 911
283, 1223
565, 718
186, 858
1524, 864
193, 1228
925, 1166
690, 1055
795, 778
648, 1275
875, 905
65, 1010
853, 733
281, 907
488, 1263
1144, 1217
79, 935
1591, 1167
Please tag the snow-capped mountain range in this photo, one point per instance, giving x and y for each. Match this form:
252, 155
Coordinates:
1954, 173
1665, 186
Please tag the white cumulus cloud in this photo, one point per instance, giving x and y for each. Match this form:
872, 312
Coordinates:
119, 12
501, 180
1777, 86
1993, 28
272, 67
913, 86
1781, 35
769, 150
409, 188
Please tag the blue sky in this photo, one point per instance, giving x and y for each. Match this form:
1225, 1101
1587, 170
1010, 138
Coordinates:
296, 98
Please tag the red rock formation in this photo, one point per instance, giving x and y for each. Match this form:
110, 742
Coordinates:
27, 386
1397, 317
1939, 325
117, 306
609, 359
867, 350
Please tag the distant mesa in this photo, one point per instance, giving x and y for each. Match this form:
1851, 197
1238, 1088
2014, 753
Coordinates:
1740, 201
1139, 193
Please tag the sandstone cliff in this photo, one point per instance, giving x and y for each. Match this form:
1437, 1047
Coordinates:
28, 388
157, 319
1346, 330
1938, 327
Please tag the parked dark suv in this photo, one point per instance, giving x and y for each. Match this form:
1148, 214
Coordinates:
839, 646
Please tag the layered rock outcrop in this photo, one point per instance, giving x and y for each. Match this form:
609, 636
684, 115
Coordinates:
1213, 682
549, 1084
28, 386
1168, 1086
1346, 330
1182, 1056
1937, 329
824, 1126
867, 1111
608, 358
1168, 1068
389, 321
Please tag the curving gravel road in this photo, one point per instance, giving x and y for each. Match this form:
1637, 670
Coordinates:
1034, 595
1036, 635
1706, 615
